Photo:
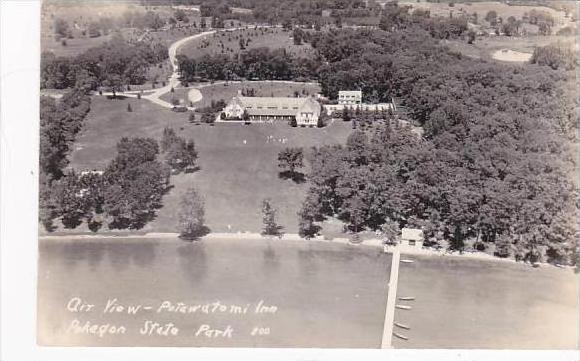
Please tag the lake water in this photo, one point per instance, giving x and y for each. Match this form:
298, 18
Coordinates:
308, 294
470, 303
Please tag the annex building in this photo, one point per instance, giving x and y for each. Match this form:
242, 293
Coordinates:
305, 111
349, 97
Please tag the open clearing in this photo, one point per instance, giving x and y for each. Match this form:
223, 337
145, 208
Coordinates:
227, 91
511, 56
234, 177
486, 47
483, 7
228, 43
468, 303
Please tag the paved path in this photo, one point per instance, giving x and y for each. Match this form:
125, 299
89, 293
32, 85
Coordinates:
173, 81
391, 300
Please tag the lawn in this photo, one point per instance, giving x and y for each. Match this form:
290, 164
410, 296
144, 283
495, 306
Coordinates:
235, 176
227, 91
470, 303
109, 120
483, 7
228, 42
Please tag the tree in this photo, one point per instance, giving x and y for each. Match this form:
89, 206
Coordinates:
346, 114
544, 29
192, 216
181, 155
70, 199
245, 116
471, 36
391, 231
168, 139
297, 36
94, 30
134, 183
289, 159
180, 15
491, 17
208, 117
61, 27
114, 82
269, 220
307, 216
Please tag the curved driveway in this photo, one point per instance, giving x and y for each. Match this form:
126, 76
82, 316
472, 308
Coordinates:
173, 81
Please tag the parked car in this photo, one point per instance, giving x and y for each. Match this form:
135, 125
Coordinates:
179, 109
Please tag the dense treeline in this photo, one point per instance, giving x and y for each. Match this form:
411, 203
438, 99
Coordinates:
555, 56
493, 168
356, 64
59, 124
126, 194
298, 12
255, 64
113, 64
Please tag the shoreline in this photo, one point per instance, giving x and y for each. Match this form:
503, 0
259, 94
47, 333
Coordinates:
248, 236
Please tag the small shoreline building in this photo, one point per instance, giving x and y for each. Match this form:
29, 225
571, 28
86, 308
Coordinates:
412, 237
305, 111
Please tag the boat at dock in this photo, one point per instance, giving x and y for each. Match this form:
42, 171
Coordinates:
403, 307
400, 325
402, 337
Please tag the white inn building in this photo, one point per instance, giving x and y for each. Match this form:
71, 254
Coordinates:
305, 111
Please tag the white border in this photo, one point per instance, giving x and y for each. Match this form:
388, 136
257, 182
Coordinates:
19, 95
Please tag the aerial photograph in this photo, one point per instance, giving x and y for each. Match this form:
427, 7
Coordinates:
368, 174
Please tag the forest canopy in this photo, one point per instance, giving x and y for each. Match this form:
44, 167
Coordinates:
495, 162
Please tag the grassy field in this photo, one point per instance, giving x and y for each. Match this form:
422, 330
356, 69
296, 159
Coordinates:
483, 7
228, 43
485, 47
234, 177
469, 303
79, 14
227, 91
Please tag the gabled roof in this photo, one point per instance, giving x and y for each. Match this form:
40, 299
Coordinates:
278, 106
310, 106
350, 92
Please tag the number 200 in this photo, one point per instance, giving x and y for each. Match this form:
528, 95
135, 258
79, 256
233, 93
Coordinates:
260, 331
